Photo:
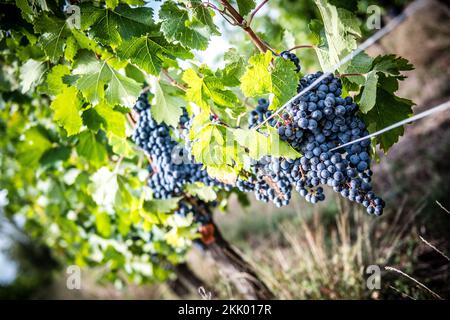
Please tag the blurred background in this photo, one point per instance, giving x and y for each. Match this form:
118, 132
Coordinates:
304, 251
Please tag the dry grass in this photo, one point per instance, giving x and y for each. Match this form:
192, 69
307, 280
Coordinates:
312, 258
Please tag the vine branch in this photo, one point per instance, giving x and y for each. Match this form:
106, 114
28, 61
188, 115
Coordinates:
240, 21
252, 15
303, 46
172, 81
222, 12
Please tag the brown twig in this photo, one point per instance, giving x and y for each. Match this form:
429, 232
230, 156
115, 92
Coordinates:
172, 81
222, 12
252, 15
303, 46
244, 25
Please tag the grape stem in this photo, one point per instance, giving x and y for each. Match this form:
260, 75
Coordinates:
223, 13
172, 81
302, 46
240, 21
252, 15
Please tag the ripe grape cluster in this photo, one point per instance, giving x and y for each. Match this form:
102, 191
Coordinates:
170, 168
292, 57
314, 124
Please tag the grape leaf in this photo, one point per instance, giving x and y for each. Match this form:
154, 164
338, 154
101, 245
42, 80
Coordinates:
390, 64
66, 107
284, 82
92, 119
103, 224
260, 145
54, 33
351, 5
71, 49
31, 74
111, 4
148, 52
361, 63
369, 92
203, 14
33, 146
175, 26
91, 149
114, 121
204, 89
388, 109
215, 146
161, 206
166, 105
233, 71
223, 173
55, 154
339, 34
205, 193
245, 6
111, 26
55, 77
385, 71
29, 8
256, 79
260, 78
121, 146
91, 77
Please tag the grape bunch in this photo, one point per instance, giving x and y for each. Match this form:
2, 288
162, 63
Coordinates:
171, 168
314, 124
292, 57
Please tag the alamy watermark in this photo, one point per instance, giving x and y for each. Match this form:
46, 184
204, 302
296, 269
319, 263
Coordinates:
373, 281
374, 17
73, 281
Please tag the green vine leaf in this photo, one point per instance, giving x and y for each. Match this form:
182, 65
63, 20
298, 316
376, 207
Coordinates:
257, 80
386, 71
203, 90
55, 77
91, 149
104, 186
245, 6
33, 146
284, 82
388, 110
369, 92
113, 121
121, 146
233, 71
175, 26
91, 77
149, 52
54, 33
166, 104
337, 34
268, 144
205, 193
203, 14
66, 107
260, 78
111, 26
161, 206
31, 74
